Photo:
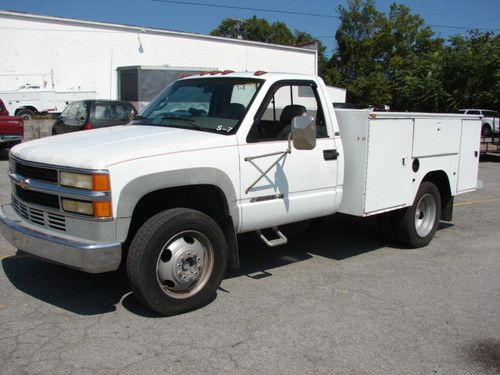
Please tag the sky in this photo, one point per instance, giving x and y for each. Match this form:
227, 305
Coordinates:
458, 14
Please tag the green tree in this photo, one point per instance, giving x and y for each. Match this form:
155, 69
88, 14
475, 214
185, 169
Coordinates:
471, 71
260, 30
414, 63
391, 59
358, 63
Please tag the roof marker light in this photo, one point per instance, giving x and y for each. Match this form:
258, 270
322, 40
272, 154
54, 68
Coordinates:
259, 73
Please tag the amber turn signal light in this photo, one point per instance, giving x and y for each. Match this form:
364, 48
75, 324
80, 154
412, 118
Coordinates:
100, 182
102, 209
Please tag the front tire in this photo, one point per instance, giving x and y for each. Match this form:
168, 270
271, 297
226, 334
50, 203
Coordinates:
419, 223
176, 261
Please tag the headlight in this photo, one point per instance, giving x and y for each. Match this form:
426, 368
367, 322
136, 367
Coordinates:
78, 207
77, 180
96, 182
96, 209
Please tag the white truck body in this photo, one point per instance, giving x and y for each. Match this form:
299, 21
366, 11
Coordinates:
235, 175
41, 100
380, 147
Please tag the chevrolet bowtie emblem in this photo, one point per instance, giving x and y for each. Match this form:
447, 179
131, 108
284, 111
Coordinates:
24, 184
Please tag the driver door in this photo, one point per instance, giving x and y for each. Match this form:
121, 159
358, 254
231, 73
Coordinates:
303, 184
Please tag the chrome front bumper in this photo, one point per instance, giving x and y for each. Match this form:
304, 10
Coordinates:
87, 256
10, 138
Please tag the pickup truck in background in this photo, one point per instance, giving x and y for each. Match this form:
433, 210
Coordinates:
11, 128
219, 154
490, 123
27, 101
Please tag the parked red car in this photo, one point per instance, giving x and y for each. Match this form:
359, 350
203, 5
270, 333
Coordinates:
11, 128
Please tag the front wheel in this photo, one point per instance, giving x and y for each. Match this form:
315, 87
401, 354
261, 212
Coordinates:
176, 261
419, 223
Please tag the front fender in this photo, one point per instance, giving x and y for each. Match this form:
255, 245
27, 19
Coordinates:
140, 186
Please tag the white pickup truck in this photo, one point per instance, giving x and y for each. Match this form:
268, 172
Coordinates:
224, 153
28, 100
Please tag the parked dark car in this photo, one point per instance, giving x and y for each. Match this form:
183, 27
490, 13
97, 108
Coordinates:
93, 114
11, 128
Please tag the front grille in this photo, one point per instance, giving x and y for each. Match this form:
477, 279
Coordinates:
36, 173
39, 217
35, 197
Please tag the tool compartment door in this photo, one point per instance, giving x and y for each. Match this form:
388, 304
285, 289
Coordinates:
436, 136
388, 180
469, 155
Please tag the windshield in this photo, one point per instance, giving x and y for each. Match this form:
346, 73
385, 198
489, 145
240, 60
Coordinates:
207, 104
75, 111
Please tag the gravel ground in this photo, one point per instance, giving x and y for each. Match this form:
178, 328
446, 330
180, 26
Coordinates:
334, 300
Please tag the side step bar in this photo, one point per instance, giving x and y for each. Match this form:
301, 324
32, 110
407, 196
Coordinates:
279, 239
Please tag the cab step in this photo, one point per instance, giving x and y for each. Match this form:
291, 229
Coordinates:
277, 238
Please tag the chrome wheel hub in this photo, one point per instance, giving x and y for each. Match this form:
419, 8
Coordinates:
425, 215
185, 264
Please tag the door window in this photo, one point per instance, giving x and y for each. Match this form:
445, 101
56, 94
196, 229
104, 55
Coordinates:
75, 114
283, 104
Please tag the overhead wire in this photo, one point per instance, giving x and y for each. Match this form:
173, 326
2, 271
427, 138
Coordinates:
267, 10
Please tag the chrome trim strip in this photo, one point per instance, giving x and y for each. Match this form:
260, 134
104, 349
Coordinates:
266, 198
93, 257
61, 191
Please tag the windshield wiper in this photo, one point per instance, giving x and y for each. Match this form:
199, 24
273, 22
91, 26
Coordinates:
185, 120
142, 119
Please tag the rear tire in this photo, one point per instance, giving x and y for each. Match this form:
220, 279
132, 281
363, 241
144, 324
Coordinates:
26, 114
419, 222
176, 261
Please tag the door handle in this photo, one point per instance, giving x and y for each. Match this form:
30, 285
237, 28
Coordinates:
330, 154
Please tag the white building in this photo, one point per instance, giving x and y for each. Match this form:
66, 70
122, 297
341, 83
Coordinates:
70, 54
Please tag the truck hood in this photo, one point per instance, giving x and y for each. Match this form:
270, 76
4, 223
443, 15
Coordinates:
101, 148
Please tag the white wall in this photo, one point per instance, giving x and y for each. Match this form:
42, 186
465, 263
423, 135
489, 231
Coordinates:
84, 55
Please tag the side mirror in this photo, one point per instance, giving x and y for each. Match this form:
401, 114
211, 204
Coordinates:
304, 132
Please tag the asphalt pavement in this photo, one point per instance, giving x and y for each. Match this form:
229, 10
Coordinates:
336, 299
